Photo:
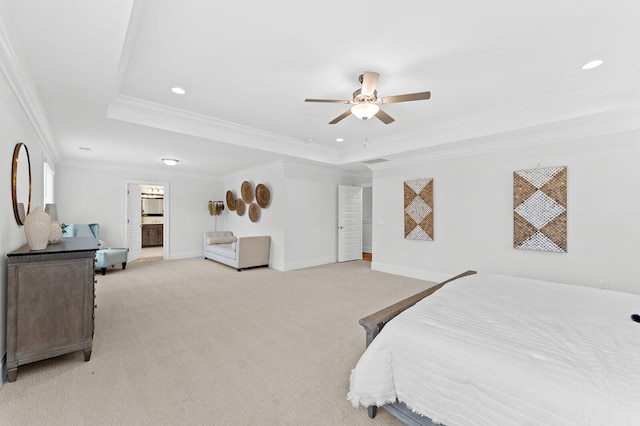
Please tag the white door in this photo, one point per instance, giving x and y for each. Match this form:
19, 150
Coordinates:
349, 223
134, 222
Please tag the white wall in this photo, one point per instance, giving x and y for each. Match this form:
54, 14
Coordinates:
473, 215
15, 127
312, 215
98, 196
271, 220
301, 217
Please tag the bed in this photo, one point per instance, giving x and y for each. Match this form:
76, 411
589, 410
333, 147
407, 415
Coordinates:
501, 350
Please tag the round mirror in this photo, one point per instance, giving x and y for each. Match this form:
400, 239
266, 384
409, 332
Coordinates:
21, 182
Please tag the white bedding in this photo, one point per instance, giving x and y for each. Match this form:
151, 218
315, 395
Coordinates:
499, 350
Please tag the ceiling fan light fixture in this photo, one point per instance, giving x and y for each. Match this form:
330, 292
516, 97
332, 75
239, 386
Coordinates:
365, 111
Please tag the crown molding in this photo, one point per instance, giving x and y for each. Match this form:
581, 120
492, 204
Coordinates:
275, 167
511, 141
19, 78
597, 103
159, 116
290, 166
137, 171
303, 167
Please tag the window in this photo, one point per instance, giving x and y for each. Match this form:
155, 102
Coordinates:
49, 176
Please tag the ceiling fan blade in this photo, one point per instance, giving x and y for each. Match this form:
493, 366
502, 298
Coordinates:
333, 101
404, 98
384, 117
341, 116
369, 81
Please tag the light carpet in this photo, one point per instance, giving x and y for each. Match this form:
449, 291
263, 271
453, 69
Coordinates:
194, 342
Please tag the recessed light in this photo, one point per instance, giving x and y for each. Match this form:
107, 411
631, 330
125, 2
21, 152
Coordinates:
170, 161
339, 140
178, 90
592, 64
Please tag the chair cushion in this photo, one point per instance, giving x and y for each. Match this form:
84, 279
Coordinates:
225, 250
222, 239
111, 256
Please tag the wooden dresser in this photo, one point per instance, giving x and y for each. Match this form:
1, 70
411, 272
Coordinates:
50, 301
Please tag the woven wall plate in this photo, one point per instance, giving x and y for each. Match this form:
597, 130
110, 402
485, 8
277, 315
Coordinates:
262, 195
231, 200
247, 191
240, 206
254, 212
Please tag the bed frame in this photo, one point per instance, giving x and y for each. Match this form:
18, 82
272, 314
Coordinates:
374, 323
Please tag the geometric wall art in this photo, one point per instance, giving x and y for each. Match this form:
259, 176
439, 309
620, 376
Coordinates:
540, 209
418, 209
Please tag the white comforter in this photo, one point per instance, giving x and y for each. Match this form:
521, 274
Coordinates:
498, 350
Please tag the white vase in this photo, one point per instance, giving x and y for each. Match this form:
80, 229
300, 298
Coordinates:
37, 228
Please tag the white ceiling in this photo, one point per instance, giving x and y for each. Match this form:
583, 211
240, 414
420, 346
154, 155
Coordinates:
500, 72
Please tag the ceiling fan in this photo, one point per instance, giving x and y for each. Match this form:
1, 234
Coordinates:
366, 103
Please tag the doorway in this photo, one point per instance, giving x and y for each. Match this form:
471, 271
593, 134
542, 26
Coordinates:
367, 222
355, 220
147, 221
349, 223
152, 224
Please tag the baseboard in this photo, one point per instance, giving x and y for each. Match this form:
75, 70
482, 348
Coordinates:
309, 263
419, 274
292, 266
185, 255
279, 266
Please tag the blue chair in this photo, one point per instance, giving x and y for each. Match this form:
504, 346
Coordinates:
104, 256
